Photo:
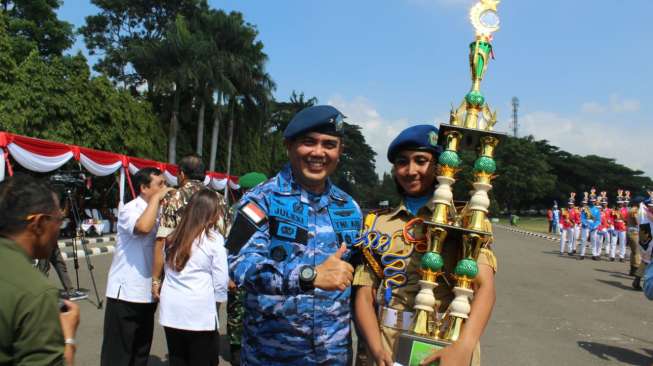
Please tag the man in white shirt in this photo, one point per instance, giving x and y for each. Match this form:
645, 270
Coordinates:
129, 314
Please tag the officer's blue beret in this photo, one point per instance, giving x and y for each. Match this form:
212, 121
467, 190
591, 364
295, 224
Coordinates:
319, 118
420, 137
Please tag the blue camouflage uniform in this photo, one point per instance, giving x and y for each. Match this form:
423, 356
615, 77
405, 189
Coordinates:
284, 325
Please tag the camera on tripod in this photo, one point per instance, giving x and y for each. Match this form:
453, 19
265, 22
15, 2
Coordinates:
68, 180
69, 183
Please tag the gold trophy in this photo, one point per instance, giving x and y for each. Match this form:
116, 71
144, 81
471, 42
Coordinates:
470, 127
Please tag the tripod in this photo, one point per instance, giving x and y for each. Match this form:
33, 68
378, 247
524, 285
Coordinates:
79, 234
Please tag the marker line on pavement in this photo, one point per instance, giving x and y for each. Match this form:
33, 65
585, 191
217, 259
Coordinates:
90, 251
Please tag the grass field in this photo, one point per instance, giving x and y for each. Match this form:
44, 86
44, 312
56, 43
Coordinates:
538, 224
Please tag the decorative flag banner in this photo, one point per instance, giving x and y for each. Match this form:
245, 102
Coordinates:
45, 156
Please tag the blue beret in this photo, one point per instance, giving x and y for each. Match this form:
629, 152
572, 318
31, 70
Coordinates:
319, 118
420, 137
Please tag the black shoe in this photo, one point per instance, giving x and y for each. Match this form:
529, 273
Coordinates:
637, 284
581, 257
570, 254
633, 269
74, 295
611, 259
573, 251
595, 258
621, 260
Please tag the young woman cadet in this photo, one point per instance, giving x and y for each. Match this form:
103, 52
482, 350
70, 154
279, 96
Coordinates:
386, 294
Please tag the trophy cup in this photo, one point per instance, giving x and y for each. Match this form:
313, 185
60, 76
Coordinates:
470, 127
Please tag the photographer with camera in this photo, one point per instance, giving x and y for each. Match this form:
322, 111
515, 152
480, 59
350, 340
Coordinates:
32, 329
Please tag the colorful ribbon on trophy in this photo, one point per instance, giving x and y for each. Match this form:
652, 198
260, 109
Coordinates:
421, 246
394, 267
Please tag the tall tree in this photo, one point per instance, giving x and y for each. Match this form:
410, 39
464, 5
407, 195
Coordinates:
523, 173
121, 24
33, 25
355, 172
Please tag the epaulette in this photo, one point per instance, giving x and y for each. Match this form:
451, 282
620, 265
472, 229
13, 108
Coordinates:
379, 211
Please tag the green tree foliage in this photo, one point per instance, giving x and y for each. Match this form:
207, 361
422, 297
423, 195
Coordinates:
123, 24
524, 173
355, 174
59, 100
532, 174
33, 25
575, 173
188, 56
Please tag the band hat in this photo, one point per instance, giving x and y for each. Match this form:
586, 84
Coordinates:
320, 118
638, 199
572, 199
251, 180
419, 137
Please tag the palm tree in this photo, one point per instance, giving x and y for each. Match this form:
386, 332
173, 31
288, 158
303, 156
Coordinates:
173, 60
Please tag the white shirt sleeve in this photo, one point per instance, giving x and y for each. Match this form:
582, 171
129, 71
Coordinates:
127, 218
219, 268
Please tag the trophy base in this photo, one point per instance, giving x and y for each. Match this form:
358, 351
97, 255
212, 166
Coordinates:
411, 349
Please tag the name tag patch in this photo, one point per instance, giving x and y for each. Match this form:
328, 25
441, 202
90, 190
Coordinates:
290, 210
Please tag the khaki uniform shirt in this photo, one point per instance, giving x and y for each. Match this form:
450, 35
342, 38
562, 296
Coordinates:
174, 203
403, 298
30, 332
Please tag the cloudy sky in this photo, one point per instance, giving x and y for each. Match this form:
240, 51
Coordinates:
582, 69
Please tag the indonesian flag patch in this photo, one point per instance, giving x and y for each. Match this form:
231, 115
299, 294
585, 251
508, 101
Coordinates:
254, 213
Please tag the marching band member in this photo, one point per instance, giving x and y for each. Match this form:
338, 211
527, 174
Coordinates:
574, 214
609, 218
567, 226
585, 218
620, 215
595, 222
556, 218
602, 231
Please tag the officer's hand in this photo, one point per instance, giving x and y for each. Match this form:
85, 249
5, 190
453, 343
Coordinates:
334, 273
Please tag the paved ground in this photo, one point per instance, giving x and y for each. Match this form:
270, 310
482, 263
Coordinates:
555, 310
550, 310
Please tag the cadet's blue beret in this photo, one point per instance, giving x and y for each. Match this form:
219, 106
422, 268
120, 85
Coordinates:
420, 137
319, 118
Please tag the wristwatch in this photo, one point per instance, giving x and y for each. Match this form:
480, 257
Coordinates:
307, 276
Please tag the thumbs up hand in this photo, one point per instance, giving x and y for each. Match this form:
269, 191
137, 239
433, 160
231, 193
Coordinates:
334, 273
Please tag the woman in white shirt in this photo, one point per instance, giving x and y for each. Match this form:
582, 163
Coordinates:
196, 278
